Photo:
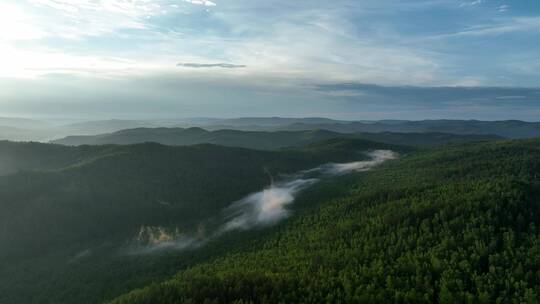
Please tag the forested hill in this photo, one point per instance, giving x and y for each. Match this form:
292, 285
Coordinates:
17, 156
66, 212
259, 139
504, 128
450, 225
154, 183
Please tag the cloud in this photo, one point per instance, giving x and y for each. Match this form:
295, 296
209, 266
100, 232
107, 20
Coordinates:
201, 2
471, 3
78, 19
432, 95
131, 8
511, 97
503, 8
293, 42
16, 24
211, 65
505, 26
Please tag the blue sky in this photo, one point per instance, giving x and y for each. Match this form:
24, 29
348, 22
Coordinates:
351, 59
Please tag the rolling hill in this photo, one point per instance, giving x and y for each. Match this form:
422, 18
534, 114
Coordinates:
260, 140
448, 225
26, 130
70, 219
504, 128
149, 223
507, 128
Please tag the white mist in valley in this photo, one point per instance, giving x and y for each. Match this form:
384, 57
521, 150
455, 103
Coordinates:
377, 158
263, 208
268, 206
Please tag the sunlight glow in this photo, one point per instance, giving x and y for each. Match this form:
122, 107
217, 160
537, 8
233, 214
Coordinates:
16, 24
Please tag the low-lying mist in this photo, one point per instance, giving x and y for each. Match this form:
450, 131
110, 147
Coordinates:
269, 205
264, 208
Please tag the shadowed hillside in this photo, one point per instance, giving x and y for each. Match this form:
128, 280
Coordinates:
76, 211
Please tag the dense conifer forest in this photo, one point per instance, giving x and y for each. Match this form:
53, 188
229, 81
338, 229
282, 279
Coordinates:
67, 213
452, 225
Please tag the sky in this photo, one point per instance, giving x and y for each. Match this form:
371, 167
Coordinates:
347, 59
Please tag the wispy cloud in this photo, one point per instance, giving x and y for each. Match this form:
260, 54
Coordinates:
505, 26
125, 7
201, 2
284, 43
430, 94
503, 8
471, 3
17, 24
211, 65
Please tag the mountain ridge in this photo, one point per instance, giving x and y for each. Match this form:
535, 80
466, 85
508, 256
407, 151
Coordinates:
264, 140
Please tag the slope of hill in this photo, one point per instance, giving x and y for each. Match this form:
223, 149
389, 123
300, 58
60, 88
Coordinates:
260, 140
190, 136
450, 225
16, 156
68, 221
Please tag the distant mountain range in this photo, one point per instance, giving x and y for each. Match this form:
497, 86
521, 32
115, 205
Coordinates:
260, 139
507, 128
34, 130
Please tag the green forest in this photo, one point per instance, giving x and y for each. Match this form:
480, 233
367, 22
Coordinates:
451, 225
455, 223
65, 222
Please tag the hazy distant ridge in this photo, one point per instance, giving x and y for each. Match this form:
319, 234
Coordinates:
259, 139
30, 130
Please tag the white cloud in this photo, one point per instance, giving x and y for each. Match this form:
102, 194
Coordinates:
125, 7
26, 63
505, 26
471, 3
74, 19
503, 8
17, 25
201, 2
302, 43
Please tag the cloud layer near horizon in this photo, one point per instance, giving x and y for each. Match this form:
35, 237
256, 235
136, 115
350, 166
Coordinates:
210, 65
262, 55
